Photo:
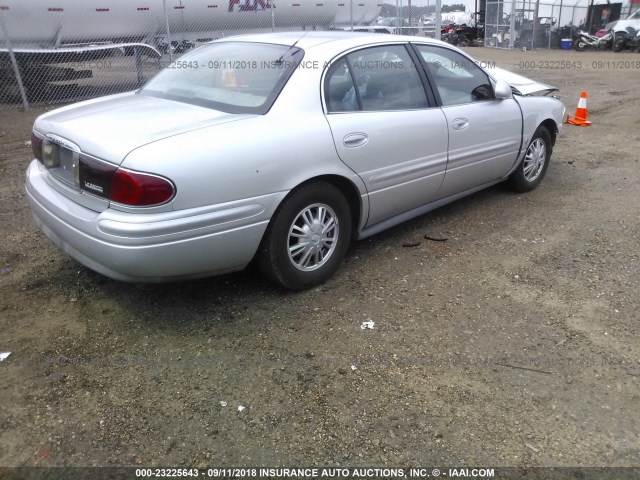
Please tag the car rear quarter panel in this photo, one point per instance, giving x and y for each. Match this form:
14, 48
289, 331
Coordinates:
253, 157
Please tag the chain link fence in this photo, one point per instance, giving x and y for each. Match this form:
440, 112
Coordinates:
528, 24
55, 51
532, 24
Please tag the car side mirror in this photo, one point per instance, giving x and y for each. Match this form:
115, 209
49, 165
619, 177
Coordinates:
502, 90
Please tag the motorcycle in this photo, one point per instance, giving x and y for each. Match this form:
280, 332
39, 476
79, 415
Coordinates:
627, 39
586, 40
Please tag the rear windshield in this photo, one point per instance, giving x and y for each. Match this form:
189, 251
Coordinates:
234, 77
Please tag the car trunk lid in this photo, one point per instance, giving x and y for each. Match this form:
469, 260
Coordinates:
107, 130
112, 127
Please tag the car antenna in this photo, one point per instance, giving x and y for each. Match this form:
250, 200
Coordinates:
279, 61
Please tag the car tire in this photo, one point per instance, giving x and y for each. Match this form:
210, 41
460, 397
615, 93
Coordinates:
533, 166
307, 237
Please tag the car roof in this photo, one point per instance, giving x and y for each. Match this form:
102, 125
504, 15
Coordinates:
310, 39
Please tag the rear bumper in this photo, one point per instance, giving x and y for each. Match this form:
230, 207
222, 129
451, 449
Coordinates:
151, 247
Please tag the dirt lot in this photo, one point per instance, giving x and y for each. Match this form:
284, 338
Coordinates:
514, 343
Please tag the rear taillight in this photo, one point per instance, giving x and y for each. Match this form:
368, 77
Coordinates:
140, 189
36, 146
122, 185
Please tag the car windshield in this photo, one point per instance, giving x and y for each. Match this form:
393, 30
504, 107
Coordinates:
234, 77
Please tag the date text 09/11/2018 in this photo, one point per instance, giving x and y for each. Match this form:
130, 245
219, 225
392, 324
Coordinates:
579, 65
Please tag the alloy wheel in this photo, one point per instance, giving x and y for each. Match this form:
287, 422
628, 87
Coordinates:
313, 237
535, 159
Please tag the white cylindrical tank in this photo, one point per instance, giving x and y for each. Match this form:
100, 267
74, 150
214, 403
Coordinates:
50, 23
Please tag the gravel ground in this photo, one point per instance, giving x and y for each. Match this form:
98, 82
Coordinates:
513, 343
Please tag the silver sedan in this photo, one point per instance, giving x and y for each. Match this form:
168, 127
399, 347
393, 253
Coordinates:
280, 148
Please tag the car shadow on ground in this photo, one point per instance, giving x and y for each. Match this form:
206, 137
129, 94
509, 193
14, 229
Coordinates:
179, 305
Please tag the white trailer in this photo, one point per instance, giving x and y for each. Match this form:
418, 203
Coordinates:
38, 24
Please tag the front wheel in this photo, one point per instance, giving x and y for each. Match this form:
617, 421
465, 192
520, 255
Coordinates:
307, 238
533, 167
618, 44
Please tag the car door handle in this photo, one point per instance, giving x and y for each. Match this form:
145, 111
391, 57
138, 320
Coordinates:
355, 140
460, 124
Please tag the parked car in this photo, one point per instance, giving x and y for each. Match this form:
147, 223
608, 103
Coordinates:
626, 33
620, 26
281, 148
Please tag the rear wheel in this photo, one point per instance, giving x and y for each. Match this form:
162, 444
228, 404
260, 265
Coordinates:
579, 45
307, 237
533, 167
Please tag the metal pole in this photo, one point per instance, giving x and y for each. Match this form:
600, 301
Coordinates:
559, 16
273, 16
14, 63
476, 18
438, 35
590, 18
536, 11
512, 23
351, 13
573, 17
550, 28
410, 25
166, 18
139, 72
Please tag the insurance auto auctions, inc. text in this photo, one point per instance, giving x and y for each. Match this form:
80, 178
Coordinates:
357, 472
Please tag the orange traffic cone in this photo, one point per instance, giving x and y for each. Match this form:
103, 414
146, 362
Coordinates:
580, 118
